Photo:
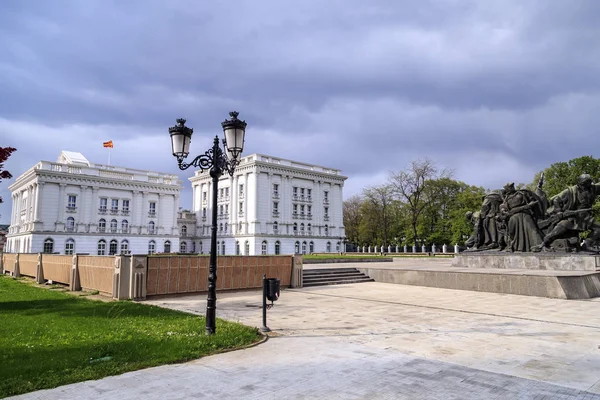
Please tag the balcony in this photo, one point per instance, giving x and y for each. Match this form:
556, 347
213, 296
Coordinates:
275, 195
326, 218
276, 214
125, 211
295, 215
70, 229
102, 210
152, 214
71, 209
114, 211
101, 229
325, 201
309, 216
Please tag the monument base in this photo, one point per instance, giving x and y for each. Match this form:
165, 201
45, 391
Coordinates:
536, 261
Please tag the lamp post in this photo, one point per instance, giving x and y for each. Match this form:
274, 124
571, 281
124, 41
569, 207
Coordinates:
217, 161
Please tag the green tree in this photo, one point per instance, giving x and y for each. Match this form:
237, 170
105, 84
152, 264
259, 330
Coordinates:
5, 153
561, 175
352, 217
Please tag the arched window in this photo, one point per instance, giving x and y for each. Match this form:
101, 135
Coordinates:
113, 225
302, 228
277, 248
237, 247
295, 228
124, 247
247, 248
112, 249
48, 246
151, 247
200, 248
102, 225
225, 227
311, 247
263, 248
223, 248
303, 247
70, 224
167, 246
69, 247
183, 230
308, 228
125, 226
297, 248
183, 247
337, 247
221, 227
326, 230
328, 247
275, 227
101, 247
151, 226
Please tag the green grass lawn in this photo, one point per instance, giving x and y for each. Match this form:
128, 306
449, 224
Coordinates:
49, 338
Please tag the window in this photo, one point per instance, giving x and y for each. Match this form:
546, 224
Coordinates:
125, 247
112, 249
151, 226
151, 247
200, 247
308, 228
101, 247
308, 193
309, 211
225, 227
223, 248
277, 248
183, 247
152, 209
125, 206
297, 248
263, 248
337, 247
113, 225
114, 205
241, 190
204, 196
70, 224
102, 225
221, 227
48, 246
103, 204
311, 247
125, 226
302, 209
302, 192
69, 247
72, 202
221, 209
303, 247
167, 246
301, 229
237, 247
275, 227
247, 248
183, 230
328, 248
325, 195
226, 209
275, 209
204, 212
294, 210
241, 211
326, 212
326, 230
276, 189
240, 227
295, 227
221, 192
226, 192
295, 191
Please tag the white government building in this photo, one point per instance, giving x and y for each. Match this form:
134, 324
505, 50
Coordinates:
73, 206
270, 206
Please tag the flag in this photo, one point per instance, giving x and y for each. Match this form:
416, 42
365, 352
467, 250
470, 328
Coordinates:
108, 144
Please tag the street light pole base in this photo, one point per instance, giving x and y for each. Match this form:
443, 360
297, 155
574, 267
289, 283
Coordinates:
265, 329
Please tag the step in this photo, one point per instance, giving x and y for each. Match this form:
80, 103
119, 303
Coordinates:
361, 280
328, 271
330, 277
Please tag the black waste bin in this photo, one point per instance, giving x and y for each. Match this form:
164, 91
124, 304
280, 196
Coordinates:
273, 289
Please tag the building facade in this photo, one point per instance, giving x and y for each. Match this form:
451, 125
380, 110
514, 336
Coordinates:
73, 206
270, 206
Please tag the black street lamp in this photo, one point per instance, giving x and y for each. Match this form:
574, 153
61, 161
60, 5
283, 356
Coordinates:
216, 160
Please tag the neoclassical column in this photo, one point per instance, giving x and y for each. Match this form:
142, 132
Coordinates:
174, 226
14, 211
82, 205
28, 204
61, 203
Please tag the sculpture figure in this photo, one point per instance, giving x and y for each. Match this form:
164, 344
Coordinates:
522, 209
490, 209
570, 214
474, 241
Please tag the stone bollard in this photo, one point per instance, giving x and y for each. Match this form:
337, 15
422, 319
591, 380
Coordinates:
444, 249
414, 249
423, 249
382, 250
456, 250
433, 249
397, 250
39, 274
405, 248
364, 249
389, 248
369, 249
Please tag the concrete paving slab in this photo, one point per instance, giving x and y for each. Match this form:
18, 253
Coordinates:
377, 340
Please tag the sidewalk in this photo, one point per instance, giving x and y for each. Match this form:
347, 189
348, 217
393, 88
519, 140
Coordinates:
376, 340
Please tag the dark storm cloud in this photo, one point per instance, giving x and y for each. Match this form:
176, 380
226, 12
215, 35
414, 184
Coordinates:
361, 86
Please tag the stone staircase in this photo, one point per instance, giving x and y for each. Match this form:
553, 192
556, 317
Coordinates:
333, 276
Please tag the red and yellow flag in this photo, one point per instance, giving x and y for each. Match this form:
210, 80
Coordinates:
108, 144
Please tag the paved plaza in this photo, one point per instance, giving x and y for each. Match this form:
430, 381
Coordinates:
377, 340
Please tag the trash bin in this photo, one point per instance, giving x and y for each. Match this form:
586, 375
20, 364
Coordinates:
273, 289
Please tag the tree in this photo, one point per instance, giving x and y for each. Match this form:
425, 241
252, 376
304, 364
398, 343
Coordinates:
352, 217
561, 175
380, 199
5, 153
413, 187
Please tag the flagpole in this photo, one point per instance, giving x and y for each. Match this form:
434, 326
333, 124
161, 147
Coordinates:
109, 151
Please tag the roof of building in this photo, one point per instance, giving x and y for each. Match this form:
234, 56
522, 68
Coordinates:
72, 157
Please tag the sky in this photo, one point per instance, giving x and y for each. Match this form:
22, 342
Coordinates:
494, 90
